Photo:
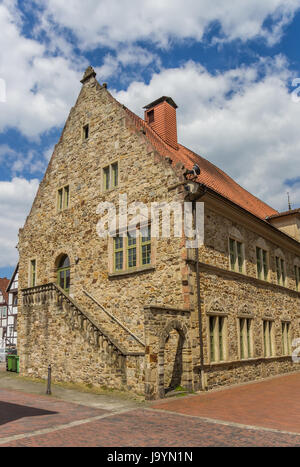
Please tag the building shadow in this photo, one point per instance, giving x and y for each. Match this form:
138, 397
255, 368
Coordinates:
10, 412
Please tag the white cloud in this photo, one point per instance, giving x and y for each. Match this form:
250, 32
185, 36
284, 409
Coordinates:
40, 88
124, 59
42, 75
16, 198
17, 162
249, 127
99, 22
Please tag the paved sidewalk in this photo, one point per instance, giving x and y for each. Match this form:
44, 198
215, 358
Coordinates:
148, 428
107, 401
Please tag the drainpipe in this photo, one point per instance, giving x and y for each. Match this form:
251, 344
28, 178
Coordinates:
202, 372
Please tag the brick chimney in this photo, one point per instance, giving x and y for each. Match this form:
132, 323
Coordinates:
161, 116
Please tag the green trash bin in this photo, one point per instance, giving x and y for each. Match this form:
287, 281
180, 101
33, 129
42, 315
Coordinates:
17, 359
10, 362
14, 364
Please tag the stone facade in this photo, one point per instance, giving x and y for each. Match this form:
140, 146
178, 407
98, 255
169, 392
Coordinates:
139, 329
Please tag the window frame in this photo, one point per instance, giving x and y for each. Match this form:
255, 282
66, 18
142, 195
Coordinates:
269, 349
265, 264
32, 273
116, 251
236, 267
131, 246
136, 245
86, 132
4, 312
63, 198
111, 176
280, 266
145, 244
217, 351
65, 270
245, 329
286, 338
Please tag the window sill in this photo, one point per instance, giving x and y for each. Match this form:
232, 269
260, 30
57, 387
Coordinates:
104, 192
129, 272
63, 210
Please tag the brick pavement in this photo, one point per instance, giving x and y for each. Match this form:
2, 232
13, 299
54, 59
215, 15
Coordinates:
143, 428
273, 404
23, 413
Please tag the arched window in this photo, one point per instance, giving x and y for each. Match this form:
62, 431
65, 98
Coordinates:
63, 273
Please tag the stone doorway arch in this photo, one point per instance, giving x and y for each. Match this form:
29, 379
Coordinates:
174, 359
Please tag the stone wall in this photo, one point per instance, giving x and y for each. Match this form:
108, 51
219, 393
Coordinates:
67, 341
233, 295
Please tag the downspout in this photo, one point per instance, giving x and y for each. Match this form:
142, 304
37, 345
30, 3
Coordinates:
202, 372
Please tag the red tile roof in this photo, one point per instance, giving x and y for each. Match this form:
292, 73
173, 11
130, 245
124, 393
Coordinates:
3, 286
211, 176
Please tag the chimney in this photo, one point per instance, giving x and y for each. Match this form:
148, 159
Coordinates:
161, 116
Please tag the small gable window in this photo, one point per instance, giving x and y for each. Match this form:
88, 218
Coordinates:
111, 176
63, 198
33, 273
86, 132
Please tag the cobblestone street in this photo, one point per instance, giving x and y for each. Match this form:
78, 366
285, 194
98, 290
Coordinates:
258, 414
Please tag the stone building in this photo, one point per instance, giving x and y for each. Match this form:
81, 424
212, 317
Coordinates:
147, 313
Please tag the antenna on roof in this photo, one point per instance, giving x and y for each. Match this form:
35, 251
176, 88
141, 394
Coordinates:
289, 202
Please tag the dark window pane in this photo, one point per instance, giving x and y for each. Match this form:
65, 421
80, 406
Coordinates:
62, 279
64, 262
67, 285
146, 254
115, 175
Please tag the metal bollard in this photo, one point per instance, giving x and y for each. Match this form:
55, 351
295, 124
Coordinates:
49, 381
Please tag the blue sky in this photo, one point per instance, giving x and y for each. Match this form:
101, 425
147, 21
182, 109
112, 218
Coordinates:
229, 66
